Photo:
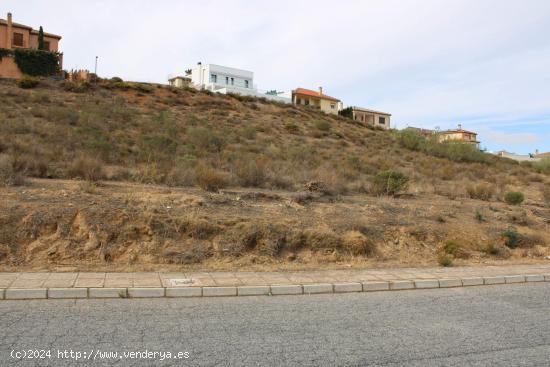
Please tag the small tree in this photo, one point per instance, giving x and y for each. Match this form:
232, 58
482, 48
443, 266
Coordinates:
41, 38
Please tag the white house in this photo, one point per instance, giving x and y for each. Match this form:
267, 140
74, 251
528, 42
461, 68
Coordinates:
223, 79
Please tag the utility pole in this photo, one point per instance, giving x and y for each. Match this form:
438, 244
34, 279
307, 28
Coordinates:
95, 70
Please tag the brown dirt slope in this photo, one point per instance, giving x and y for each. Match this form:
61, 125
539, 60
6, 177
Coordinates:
141, 177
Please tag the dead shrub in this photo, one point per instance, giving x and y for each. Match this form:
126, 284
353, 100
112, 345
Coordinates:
195, 254
357, 244
181, 176
86, 168
9, 176
482, 191
211, 179
251, 172
545, 190
322, 239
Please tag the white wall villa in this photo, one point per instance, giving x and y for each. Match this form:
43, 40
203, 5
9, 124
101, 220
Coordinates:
223, 79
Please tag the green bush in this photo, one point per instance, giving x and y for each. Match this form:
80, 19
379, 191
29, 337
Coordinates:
411, 139
511, 238
452, 150
445, 260
27, 82
389, 183
37, 62
514, 198
543, 166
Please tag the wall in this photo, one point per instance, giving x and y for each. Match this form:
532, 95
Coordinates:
54, 42
326, 106
8, 68
3, 33
372, 118
201, 77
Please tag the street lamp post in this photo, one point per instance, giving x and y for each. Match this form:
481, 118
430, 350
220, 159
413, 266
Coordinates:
95, 70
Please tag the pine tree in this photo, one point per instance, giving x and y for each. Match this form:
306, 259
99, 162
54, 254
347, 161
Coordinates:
40, 38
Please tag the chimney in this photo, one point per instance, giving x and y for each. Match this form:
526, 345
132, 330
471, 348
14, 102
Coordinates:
536, 152
199, 63
9, 32
459, 126
320, 91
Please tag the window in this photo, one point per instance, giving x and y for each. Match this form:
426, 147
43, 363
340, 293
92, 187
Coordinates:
298, 101
213, 78
246, 83
226, 80
46, 45
362, 118
382, 120
232, 81
18, 39
332, 106
306, 102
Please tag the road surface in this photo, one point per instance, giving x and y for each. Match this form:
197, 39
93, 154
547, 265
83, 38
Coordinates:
475, 326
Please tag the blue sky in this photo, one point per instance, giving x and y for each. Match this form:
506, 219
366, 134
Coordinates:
482, 63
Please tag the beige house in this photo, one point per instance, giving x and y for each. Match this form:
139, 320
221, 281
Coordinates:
15, 35
179, 81
460, 135
308, 97
371, 117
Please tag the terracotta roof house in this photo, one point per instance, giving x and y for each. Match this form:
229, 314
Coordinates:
371, 117
541, 155
460, 135
15, 35
308, 97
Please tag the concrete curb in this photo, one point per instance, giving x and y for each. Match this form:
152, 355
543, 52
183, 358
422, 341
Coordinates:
262, 290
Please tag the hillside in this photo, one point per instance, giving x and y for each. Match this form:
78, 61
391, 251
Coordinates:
141, 177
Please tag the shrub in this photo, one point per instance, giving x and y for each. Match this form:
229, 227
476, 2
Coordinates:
210, 179
27, 82
37, 62
389, 183
482, 191
251, 172
445, 260
292, 127
116, 79
546, 194
543, 166
356, 243
323, 125
496, 250
87, 168
411, 139
8, 173
510, 237
454, 249
514, 198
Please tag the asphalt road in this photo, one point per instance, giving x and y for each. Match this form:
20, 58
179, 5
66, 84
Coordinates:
478, 326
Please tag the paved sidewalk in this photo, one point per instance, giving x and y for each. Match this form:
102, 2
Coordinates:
107, 285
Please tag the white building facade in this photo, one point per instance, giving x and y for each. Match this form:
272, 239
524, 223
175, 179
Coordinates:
223, 79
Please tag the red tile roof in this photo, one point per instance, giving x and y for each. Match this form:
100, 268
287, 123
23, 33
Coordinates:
312, 93
453, 131
33, 31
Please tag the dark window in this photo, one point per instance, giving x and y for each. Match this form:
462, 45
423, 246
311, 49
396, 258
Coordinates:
246, 83
306, 102
46, 46
232, 81
362, 118
382, 120
18, 39
298, 101
226, 80
213, 78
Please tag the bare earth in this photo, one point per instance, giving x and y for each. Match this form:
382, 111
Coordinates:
56, 225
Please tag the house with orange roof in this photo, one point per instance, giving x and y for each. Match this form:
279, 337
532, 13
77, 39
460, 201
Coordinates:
317, 99
15, 35
459, 135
